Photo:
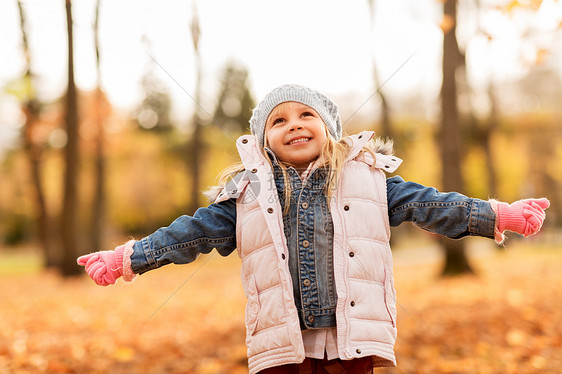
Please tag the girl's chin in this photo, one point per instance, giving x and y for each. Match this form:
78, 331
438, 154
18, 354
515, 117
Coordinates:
301, 164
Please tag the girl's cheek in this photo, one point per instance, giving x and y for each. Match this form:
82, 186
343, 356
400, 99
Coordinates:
269, 138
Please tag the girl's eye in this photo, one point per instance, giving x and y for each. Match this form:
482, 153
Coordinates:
276, 121
306, 114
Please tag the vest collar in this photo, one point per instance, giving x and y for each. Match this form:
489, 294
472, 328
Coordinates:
250, 152
357, 142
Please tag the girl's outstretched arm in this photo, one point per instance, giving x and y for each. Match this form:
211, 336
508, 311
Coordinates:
451, 214
454, 215
179, 243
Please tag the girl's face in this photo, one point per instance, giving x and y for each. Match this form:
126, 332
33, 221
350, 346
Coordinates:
295, 133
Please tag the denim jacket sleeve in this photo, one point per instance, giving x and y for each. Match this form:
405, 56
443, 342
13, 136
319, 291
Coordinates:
450, 214
187, 237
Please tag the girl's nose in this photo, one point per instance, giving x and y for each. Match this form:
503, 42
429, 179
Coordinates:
295, 125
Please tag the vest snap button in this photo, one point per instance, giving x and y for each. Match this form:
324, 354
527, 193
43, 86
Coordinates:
244, 141
254, 308
283, 256
358, 351
254, 170
352, 303
346, 208
351, 254
269, 210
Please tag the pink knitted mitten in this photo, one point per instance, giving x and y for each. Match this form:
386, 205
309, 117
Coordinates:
524, 217
104, 267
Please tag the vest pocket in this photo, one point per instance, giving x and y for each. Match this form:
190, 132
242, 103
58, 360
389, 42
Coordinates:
389, 296
252, 305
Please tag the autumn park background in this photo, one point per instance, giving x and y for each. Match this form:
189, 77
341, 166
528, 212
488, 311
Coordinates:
84, 167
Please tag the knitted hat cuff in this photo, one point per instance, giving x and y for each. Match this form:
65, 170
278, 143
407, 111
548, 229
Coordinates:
325, 107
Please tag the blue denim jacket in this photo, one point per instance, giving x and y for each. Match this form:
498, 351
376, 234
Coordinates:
450, 214
309, 231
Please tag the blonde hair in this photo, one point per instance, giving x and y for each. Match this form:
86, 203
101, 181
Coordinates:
222, 179
333, 153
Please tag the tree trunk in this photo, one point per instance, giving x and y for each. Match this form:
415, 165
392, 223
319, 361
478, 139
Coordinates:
31, 109
196, 147
450, 138
98, 202
70, 203
386, 123
98, 205
33, 152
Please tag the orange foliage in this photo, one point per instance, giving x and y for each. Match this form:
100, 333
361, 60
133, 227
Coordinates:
506, 320
525, 4
447, 23
542, 55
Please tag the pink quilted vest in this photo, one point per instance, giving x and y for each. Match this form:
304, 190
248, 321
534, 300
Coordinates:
366, 308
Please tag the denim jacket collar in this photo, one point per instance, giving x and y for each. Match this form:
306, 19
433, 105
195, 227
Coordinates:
272, 156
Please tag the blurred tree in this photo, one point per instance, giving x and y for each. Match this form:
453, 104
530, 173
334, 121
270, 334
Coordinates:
456, 261
98, 208
154, 112
235, 102
195, 147
68, 266
386, 122
32, 108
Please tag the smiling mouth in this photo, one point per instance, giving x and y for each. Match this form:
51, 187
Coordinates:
299, 140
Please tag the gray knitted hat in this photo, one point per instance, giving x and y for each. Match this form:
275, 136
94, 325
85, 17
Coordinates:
325, 107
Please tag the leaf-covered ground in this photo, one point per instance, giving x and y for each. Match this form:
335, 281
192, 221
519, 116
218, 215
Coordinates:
190, 319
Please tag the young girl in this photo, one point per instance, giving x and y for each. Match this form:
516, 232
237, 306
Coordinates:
310, 214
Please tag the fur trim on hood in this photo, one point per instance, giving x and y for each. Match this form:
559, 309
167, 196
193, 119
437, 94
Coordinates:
383, 146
